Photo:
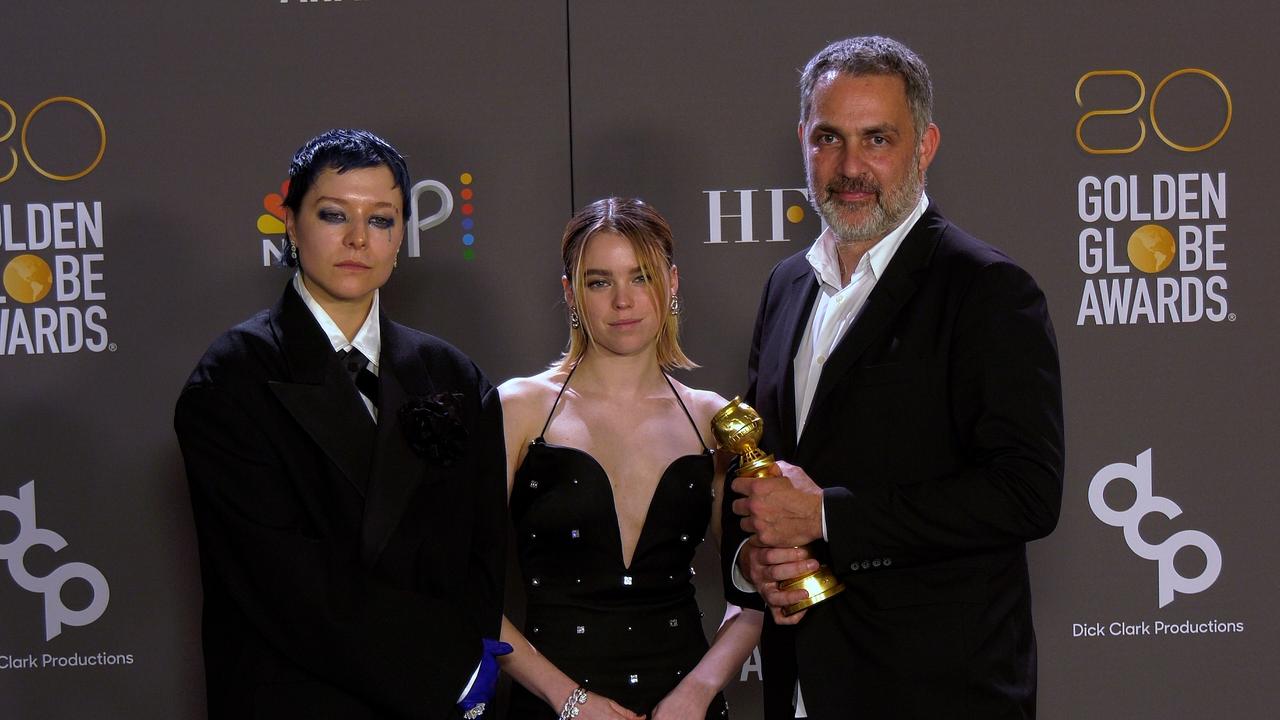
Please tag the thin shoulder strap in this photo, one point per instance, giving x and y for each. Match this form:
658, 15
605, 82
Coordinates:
547, 424
682, 407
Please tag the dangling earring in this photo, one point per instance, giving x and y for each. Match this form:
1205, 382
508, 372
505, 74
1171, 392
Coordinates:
675, 304
395, 263
574, 321
293, 251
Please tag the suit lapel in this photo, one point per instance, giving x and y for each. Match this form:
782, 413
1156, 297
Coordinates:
320, 395
891, 293
397, 472
802, 292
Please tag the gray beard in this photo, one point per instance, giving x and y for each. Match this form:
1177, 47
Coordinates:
890, 209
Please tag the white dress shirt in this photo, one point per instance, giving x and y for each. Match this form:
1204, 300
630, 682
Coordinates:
368, 339
838, 305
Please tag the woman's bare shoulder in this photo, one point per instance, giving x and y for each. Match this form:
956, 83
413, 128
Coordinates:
524, 397
702, 404
525, 404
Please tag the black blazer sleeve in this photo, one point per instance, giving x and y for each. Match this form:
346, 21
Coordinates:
486, 566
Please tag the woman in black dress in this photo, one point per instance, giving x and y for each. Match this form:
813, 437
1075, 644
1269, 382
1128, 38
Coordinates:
612, 486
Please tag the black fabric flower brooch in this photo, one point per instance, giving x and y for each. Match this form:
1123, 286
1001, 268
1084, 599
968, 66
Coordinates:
432, 426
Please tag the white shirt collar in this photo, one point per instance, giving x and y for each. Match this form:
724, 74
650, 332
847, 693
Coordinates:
826, 265
368, 339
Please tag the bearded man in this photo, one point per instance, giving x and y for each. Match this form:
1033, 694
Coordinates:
907, 378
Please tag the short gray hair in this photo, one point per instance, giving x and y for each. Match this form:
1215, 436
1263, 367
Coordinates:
872, 55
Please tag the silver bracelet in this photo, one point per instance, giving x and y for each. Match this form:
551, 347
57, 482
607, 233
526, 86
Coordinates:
576, 698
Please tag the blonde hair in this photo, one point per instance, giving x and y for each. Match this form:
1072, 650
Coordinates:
650, 238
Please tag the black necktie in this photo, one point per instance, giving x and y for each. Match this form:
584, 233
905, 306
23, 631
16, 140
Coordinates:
358, 366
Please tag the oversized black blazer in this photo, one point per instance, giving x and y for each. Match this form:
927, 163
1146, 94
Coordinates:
936, 433
344, 575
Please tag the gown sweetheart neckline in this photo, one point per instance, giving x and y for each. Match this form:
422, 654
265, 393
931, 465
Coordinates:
617, 524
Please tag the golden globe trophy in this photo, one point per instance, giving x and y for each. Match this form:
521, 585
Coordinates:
738, 427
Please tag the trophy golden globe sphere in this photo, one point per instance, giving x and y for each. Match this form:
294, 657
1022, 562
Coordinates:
738, 427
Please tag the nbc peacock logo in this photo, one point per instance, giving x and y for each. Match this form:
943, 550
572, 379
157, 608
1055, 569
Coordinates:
271, 225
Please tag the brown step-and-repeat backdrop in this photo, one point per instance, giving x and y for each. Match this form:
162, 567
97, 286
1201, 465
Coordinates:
1119, 151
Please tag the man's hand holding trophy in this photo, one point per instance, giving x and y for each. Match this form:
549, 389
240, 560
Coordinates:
781, 508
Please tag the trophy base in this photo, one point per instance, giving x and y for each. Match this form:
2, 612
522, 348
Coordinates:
821, 584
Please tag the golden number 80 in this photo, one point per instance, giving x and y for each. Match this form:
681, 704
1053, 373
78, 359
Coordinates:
1155, 125
26, 150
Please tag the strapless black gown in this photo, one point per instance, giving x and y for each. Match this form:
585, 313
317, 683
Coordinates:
628, 633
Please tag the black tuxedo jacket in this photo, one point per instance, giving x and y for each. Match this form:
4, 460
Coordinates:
936, 433
344, 575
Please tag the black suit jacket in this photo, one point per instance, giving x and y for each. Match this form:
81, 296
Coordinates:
936, 433
344, 575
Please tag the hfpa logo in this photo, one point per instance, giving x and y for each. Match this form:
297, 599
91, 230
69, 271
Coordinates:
721, 210
1147, 502
56, 614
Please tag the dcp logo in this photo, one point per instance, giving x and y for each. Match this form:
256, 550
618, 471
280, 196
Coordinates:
1147, 502
56, 614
